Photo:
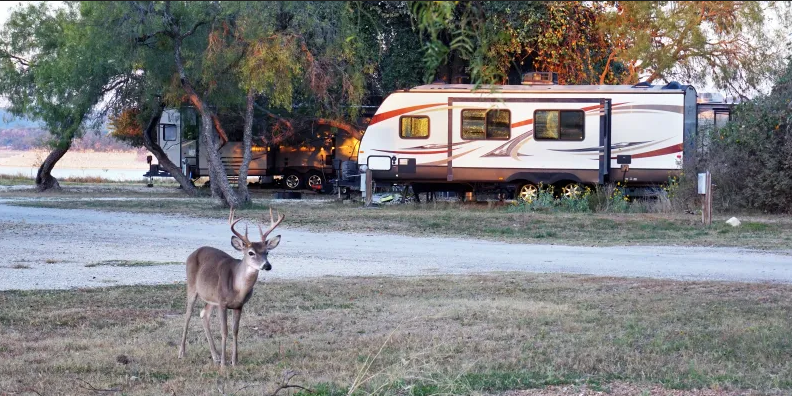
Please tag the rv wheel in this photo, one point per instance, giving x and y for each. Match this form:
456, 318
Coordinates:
571, 190
293, 180
314, 181
526, 192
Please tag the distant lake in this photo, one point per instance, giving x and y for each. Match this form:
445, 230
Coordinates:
110, 174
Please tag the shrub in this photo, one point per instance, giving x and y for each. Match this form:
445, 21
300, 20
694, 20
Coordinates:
751, 158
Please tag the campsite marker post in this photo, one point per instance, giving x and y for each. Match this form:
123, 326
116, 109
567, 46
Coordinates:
705, 188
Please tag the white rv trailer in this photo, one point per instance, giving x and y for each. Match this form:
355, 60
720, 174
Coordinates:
517, 136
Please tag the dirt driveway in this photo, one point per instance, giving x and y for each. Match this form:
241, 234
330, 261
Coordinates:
50, 248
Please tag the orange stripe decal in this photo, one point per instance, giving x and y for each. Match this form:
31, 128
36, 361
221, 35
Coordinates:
393, 113
522, 123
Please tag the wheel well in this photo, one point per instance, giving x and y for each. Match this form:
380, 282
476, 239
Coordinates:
544, 178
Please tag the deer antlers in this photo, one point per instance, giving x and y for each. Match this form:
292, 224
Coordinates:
233, 223
264, 234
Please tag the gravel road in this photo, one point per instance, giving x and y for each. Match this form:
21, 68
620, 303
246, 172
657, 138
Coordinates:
50, 248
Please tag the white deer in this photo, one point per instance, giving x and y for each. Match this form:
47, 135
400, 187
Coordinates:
224, 282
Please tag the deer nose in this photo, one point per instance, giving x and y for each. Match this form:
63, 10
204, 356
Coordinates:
266, 267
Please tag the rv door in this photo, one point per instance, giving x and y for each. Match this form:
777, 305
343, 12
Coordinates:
169, 135
605, 142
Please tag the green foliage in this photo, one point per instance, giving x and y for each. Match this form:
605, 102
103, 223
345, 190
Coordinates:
496, 40
54, 68
751, 158
694, 41
619, 201
546, 200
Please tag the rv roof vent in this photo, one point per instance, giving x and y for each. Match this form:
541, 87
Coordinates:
642, 85
673, 85
710, 97
540, 78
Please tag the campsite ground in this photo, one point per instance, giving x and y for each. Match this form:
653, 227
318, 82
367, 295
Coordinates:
481, 312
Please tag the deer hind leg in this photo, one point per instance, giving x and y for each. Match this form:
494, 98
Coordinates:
190, 304
235, 331
223, 314
206, 315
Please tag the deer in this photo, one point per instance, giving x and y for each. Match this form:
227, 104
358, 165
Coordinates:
224, 283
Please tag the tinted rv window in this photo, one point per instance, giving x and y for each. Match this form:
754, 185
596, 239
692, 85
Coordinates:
168, 132
566, 125
414, 127
473, 124
498, 124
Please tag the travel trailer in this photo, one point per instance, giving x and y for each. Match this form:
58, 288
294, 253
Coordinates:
444, 137
306, 165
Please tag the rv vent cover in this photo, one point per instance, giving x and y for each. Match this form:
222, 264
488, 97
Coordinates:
540, 78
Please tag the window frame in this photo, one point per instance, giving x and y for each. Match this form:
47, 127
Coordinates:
486, 125
428, 127
538, 139
163, 128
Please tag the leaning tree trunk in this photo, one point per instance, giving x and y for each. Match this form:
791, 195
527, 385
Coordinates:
247, 151
44, 179
221, 188
165, 162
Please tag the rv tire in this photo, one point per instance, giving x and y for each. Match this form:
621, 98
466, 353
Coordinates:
293, 180
314, 178
526, 192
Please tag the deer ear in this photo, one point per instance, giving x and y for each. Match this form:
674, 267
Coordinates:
273, 243
237, 243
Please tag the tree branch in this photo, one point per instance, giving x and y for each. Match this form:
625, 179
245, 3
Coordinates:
192, 31
22, 61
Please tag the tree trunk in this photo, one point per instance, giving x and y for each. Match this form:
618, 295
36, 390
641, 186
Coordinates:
221, 188
44, 179
247, 150
165, 162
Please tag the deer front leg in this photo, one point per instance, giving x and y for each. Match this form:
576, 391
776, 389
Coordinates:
190, 303
223, 314
206, 315
235, 331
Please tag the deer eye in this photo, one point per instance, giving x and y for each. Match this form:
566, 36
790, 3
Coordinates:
251, 253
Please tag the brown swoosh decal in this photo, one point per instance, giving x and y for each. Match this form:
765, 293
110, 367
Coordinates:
393, 113
506, 149
412, 152
436, 146
677, 148
445, 160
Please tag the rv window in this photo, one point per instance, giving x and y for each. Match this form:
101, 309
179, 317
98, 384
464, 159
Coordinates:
414, 127
168, 132
498, 124
721, 118
473, 124
568, 125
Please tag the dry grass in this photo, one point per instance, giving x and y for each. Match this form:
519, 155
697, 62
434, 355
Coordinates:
486, 221
459, 335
